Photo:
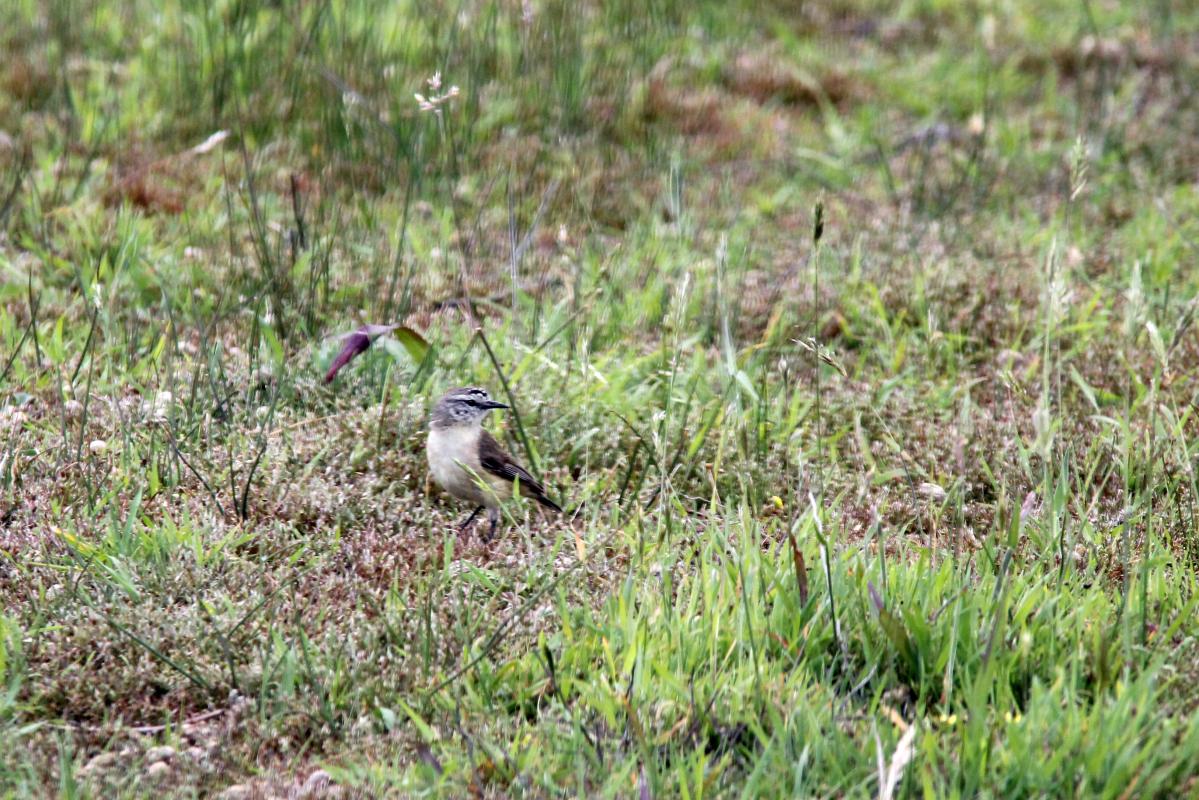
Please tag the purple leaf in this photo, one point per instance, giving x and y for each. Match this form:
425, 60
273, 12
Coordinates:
355, 344
874, 598
643, 790
426, 755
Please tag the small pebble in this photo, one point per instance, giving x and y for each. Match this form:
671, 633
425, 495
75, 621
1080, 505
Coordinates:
932, 491
317, 785
163, 753
100, 762
158, 770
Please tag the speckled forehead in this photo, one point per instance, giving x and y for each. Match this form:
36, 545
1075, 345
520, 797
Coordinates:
470, 393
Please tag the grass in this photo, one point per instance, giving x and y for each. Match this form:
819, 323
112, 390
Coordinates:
896, 503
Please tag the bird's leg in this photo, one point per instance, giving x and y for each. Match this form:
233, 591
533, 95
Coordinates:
470, 519
493, 516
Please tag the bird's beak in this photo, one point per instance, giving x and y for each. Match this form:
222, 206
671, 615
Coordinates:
494, 404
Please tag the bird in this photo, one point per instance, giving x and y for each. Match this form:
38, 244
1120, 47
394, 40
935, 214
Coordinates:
468, 463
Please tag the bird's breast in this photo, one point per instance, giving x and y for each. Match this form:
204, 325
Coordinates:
453, 455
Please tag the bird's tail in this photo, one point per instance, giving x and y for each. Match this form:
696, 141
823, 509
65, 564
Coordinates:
548, 503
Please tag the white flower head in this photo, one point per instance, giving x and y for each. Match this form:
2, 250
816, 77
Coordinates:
434, 101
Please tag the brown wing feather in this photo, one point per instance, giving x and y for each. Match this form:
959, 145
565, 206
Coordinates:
493, 459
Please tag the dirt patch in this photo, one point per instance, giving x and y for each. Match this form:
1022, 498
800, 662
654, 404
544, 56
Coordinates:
767, 77
159, 184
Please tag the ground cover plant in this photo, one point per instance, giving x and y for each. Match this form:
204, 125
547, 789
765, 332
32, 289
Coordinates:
857, 339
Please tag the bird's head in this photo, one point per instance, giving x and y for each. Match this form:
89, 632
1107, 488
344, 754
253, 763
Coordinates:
465, 406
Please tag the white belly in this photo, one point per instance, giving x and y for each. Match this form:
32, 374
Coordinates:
453, 455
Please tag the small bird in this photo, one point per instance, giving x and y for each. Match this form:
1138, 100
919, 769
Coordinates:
469, 463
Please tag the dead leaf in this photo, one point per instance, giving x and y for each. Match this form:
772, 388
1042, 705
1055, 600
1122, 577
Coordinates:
899, 760
801, 570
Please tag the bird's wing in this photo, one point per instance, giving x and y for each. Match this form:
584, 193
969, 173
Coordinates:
494, 460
